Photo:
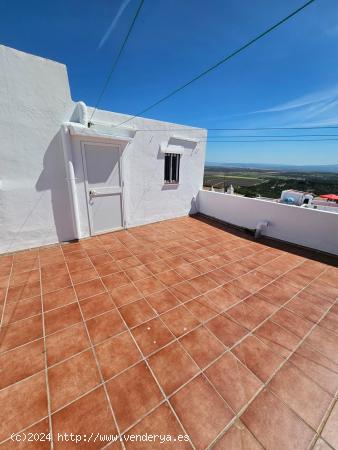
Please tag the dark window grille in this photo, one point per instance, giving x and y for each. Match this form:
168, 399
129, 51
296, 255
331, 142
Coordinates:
171, 168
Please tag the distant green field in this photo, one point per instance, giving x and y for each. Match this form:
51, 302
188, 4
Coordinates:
267, 183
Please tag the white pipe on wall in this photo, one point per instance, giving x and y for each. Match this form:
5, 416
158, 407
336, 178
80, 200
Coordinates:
71, 182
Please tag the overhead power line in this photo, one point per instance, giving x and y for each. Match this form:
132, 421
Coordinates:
219, 63
270, 140
184, 128
117, 58
244, 136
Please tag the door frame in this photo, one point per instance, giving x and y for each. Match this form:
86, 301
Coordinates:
85, 180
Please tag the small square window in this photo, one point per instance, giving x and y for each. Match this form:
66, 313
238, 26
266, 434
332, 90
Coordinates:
171, 168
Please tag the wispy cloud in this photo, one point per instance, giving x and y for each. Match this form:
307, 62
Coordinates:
114, 22
314, 101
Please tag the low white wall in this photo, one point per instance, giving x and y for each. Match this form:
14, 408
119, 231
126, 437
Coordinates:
302, 226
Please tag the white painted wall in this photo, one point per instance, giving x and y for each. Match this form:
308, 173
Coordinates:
147, 198
302, 226
35, 206
35, 100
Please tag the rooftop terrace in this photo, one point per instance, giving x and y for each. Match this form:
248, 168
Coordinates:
177, 327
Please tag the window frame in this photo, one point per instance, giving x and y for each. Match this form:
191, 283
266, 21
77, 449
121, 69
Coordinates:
176, 178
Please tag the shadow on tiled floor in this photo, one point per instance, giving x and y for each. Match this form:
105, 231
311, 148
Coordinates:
177, 327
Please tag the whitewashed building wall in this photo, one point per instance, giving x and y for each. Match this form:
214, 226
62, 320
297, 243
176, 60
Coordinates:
35, 205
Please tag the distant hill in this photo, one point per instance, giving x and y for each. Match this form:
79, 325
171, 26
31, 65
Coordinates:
333, 168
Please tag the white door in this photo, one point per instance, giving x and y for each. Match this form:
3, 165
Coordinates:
102, 165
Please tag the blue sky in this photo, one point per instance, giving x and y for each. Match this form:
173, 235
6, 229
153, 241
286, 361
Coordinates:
290, 78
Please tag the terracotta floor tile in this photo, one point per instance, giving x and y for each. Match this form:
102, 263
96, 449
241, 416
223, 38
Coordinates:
98, 304
55, 283
222, 298
172, 367
161, 422
254, 281
219, 276
23, 291
162, 301
322, 290
133, 393
105, 326
330, 321
305, 309
79, 265
125, 294
21, 363
101, 259
246, 316
179, 320
321, 445
187, 271
66, 343
130, 261
201, 308
157, 266
117, 354
88, 415
202, 411
72, 378
152, 336
108, 268
22, 309
226, 330
63, 317
257, 357
236, 384
89, 289
176, 261
58, 298
146, 258
330, 431
278, 293
275, 425
136, 313
138, 272
115, 280
316, 366
324, 341
277, 338
169, 277
19, 333
83, 275
25, 266
54, 270
237, 437
292, 322
202, 346
203, 283
75, 255
236, 288
149, 285
4, 281
315, 300
24, 278
22, 404
39, 429
184, 291
203, 266
301, 394
120, 254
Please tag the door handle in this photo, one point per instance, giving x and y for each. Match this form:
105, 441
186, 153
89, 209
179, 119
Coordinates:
91, 193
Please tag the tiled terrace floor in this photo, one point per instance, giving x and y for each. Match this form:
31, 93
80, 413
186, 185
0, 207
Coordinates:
171, 328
